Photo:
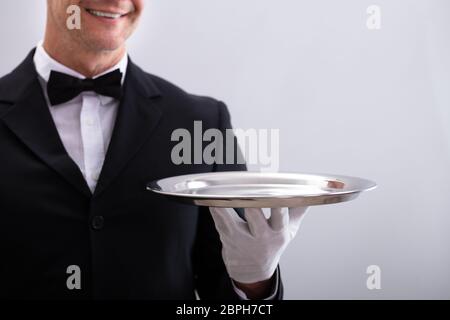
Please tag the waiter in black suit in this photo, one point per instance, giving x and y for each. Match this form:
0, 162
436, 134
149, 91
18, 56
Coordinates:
82, 131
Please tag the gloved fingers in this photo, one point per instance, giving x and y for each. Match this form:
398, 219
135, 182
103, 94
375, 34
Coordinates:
279, 218
225, 219
296, 215
256, 220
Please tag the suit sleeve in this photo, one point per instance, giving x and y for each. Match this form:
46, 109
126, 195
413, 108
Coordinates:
212, 280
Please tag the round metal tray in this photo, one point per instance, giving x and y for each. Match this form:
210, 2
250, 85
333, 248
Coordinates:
243, 189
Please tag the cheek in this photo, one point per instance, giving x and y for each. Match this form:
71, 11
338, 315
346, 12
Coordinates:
139, 6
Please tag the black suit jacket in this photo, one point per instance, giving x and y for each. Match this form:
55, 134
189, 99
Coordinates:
128, 242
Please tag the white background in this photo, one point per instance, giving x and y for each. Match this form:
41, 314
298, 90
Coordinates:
347, 100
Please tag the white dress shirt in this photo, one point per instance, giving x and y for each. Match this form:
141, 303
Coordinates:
84, 124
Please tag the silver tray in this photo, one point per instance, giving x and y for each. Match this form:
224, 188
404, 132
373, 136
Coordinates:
243, 189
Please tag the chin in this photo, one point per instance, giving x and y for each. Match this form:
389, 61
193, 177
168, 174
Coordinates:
105, 43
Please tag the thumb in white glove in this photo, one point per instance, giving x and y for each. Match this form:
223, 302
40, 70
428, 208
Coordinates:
251, 250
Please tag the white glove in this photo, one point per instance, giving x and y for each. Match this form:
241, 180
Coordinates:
251, 250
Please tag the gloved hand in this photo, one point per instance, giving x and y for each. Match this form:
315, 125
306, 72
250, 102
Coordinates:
252, 249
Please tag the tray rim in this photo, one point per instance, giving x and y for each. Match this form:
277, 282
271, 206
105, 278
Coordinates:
154, 187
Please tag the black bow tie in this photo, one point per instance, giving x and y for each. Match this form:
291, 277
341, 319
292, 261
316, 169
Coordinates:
62, 87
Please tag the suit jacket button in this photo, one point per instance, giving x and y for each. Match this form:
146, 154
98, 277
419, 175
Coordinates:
98, 222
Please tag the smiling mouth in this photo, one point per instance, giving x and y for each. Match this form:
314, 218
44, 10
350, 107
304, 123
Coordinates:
104, 14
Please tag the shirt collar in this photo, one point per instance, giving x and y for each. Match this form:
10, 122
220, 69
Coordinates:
45, 64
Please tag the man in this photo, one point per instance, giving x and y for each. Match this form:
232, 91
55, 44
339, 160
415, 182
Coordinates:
82, 131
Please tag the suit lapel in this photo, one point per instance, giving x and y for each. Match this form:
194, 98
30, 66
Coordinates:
30, 120
138, 115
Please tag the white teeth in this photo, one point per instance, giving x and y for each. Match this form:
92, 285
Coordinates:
105, 14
